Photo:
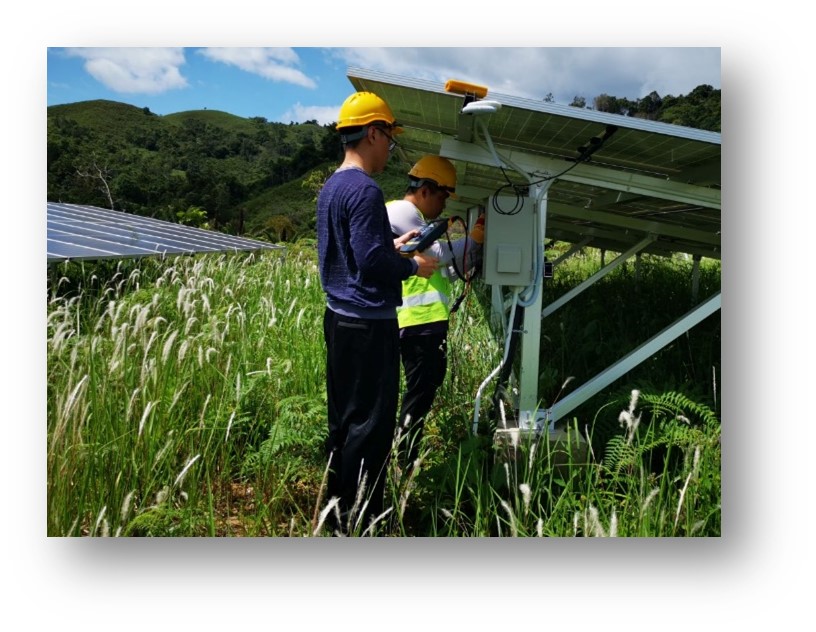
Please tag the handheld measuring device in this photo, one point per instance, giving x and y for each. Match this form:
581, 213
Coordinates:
428, 235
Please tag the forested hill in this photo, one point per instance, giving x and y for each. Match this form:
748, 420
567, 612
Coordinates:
241, 175
177, 166
701, 108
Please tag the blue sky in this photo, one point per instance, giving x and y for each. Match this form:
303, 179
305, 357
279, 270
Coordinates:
298, 84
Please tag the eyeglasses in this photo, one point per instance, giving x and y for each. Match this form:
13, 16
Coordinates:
391, 142
443, 193
439, 189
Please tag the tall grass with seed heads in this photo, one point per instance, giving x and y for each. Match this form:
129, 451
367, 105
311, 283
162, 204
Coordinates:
186, 397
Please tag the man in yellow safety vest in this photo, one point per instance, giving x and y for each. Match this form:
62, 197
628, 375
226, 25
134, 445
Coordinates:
426, 302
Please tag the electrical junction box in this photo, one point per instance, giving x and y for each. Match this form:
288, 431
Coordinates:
510, 236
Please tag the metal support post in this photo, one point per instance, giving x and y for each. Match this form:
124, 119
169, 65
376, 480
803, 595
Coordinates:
530, 356
531, 337
695, 278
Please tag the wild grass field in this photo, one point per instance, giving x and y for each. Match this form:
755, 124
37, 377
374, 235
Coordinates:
186, 397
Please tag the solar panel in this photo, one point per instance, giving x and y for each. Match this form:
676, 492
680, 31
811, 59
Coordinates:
78, 232
647, 178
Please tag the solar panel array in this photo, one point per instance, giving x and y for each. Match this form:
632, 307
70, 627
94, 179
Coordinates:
647, 178
77, 232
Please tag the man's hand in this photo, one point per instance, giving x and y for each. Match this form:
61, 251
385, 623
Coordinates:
427, 264
402, 239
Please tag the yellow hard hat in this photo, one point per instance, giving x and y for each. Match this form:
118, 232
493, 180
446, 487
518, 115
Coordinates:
363, 108
437, 169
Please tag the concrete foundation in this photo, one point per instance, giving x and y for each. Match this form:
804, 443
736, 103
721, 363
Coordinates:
560, 448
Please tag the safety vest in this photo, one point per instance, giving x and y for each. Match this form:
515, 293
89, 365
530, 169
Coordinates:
424, 300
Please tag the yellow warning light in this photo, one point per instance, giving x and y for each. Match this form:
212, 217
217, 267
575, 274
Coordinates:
462, 87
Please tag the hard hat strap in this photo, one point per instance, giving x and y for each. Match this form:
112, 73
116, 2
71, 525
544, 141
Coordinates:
350, 138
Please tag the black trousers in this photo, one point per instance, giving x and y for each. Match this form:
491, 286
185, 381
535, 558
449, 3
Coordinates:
425, 362
362, 386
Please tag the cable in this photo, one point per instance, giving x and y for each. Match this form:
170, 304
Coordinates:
453, 254
504, 374
519, 204
464, 277
478, 400
525, 300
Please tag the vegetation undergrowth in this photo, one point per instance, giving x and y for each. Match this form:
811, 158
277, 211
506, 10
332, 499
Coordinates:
186, 397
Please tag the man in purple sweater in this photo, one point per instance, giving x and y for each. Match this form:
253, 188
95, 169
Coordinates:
361, 273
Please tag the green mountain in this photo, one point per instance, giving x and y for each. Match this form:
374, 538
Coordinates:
111, 154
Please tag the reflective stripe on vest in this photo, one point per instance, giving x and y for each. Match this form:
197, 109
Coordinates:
424, 300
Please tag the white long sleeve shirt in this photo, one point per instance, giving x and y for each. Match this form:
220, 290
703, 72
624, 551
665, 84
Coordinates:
405, 216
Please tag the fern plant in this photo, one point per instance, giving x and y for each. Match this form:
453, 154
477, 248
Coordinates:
297, 433
673, 422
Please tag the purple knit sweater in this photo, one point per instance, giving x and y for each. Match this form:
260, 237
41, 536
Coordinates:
360, 271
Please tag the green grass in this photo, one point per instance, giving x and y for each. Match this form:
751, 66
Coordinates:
186, 397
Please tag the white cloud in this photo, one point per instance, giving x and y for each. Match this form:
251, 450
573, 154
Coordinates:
566, 72
275, 64
299, 113
678, 71
134, 70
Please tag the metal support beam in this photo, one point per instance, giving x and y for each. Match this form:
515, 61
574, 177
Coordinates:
592, 175
627, 363
573, 250
464, 129
597, 276
695, 278
650, 226
622, 240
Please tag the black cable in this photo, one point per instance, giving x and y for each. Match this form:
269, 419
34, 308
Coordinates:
466, 279
519, 203
453, 255
584, 155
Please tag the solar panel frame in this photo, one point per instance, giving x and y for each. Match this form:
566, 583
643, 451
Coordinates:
648, 178
81, 232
